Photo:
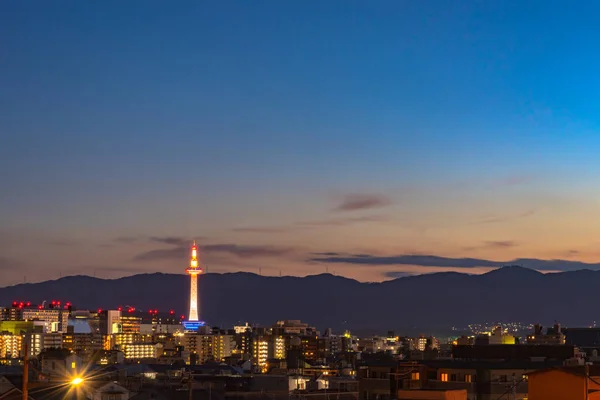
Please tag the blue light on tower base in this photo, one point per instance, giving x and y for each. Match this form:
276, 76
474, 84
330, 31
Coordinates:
192, 326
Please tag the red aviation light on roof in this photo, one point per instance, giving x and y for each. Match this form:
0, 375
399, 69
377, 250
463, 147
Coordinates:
28, 303
99, 310
171, 312
120, 308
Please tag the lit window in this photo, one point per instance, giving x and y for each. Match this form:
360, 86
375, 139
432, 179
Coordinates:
468, 378
414, 376
444, 377
73, 365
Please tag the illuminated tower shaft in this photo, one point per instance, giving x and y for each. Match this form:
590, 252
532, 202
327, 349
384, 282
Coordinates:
193, 298
194, 270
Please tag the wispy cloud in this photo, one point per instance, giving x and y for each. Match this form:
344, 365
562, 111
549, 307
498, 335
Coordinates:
261, 229
344, 221
436, 261
501, 243
9, 264
300, 225
504, 218
248, 250
493, 244
181, 252
175, 253
171, 240
355, 202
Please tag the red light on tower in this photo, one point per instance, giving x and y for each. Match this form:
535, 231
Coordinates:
171, 312
15, 303
183, 317
39, 307
120, 308
28, 303
99, 310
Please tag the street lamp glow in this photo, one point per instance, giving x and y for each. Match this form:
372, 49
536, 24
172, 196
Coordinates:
76, 381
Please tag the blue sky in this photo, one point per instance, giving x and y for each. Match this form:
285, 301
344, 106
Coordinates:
153, 120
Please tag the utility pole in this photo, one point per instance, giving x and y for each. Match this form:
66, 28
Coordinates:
514, 391
190, 388
587, 377
26, 370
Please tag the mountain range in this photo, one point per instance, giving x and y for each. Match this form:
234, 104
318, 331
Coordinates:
409, 305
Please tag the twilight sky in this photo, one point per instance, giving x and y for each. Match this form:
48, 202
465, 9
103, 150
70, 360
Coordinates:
369, 139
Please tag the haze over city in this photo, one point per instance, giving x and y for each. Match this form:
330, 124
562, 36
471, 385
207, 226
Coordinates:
369, 140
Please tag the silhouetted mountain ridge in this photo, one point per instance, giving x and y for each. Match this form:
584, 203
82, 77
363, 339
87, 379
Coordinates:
417, 304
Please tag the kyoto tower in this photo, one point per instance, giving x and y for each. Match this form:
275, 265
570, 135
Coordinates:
193, 323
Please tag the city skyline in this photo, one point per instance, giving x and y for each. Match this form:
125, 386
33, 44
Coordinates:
369, 141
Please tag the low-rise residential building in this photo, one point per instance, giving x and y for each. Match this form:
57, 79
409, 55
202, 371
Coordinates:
572, 383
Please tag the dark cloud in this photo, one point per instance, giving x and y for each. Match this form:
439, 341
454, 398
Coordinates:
176, 253
490, 244
354, 202
181, 252
172, 240
435, 261
505, 218
247, 250
500, 243
396, 274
